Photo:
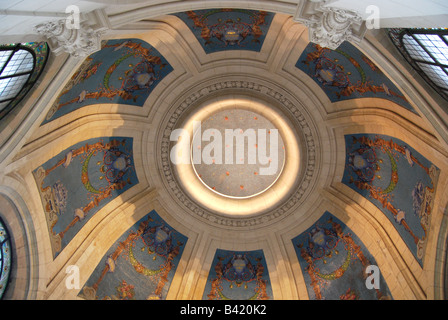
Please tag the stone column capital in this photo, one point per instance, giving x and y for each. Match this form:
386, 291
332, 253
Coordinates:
79, 40
329, 26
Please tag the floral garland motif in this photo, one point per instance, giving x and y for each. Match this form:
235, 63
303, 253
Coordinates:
54, 197
320, 246
239, 271
236, 29
141, 76
422, 196
158, 241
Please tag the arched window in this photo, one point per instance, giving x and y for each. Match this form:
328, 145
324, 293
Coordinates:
5, 258
20, 67
427, 51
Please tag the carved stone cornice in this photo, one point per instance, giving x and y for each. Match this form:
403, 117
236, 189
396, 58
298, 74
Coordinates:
289, 204
330, 26
79, 41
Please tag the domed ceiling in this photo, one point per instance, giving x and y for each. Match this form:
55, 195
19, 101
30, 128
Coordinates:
339, 170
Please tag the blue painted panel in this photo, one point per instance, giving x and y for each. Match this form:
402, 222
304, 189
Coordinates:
79, 181
140, 265
398, 180
228, 29
124, 71
346, 73
334, 263
238, 275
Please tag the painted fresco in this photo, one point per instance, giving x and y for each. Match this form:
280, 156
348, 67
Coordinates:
237, 275
79, 181
335, 263
228, 29
398, 180
124, 71
346, 73
140, 265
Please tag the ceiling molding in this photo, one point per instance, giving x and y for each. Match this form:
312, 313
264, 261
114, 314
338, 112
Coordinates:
310, 165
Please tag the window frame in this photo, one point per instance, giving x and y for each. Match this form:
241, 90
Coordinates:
403, 48
28, 84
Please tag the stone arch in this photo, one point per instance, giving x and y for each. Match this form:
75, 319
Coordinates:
24, 271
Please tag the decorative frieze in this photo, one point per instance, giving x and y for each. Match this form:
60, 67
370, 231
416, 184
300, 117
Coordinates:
284, 208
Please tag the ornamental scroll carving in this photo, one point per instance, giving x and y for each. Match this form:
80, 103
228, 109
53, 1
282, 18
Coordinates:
79, 41
330, 26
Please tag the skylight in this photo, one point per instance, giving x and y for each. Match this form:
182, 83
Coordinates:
20, 65
427, 51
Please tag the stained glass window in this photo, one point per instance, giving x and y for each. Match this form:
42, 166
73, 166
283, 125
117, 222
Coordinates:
427, 51
20, 67
5, 258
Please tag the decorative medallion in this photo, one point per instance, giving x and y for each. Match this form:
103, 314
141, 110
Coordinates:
301, 122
